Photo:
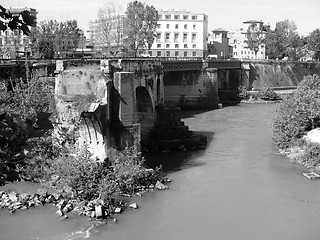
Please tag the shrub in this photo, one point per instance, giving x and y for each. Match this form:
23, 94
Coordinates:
298, 113
243, 93
267, 93
89, 179
309, 155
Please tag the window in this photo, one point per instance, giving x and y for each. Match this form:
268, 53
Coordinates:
168, 26
158, 45
194, 37
167, 53
176, 53
176, 37
185, 17
158, 25
185, 37
168, 17
194, 26
185, 26
194, 17
194, 54
194, 46
158, 53
167, 36
150, 53
176, 46
158, 37
176, 17
185, 45
185, 54
177, 26
167, 45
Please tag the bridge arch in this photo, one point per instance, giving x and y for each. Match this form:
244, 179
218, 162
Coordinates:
145, 110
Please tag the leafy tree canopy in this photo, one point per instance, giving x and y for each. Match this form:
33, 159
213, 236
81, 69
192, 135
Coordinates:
255, 35
313, 43
140, 27
54, 39
21, 21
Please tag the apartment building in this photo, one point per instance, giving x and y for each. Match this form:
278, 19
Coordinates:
218, 44
14, 43
180, 33
239, 42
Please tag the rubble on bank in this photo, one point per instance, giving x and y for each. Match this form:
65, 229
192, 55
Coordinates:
66, 203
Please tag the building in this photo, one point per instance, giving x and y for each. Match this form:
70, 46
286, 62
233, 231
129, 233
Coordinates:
239, 42
218, 44
180, 33
14, 43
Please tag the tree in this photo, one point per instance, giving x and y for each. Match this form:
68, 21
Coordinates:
110, 24
55, 39
21, 21
313, 43
255, 35
140, 27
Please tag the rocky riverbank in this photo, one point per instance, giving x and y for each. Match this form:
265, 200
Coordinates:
67, 203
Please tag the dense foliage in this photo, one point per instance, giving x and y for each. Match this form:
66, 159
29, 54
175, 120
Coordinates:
55, 39
298, 113
139, 27
313, 43
255, 36
283, 41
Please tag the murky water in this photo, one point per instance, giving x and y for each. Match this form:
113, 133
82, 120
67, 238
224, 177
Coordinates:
237, 188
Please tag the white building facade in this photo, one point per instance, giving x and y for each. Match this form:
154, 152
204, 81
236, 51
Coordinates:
180, 33
239, 42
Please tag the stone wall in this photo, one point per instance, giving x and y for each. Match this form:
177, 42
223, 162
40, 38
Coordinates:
276, 73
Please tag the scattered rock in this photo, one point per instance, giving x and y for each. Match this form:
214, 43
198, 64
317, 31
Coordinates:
133, 205
160, 186
118, 210
60, 213
99, 211
13, 197
42, 192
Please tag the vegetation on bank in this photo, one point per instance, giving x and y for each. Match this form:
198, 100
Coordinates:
263, 94
298, 114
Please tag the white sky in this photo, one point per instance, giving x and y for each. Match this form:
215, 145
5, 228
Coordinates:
227, 14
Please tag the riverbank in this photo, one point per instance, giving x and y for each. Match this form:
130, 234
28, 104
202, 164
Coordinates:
19, 196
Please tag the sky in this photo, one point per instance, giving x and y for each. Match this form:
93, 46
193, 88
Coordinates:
227, 14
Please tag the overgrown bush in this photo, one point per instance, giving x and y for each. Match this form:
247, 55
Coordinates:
298, 113
19, 108
90, 179
267, 93
243, 93
307, 155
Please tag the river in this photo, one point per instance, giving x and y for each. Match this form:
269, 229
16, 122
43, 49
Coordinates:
237, 188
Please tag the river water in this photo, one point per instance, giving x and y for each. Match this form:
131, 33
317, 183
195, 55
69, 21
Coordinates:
237, 188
